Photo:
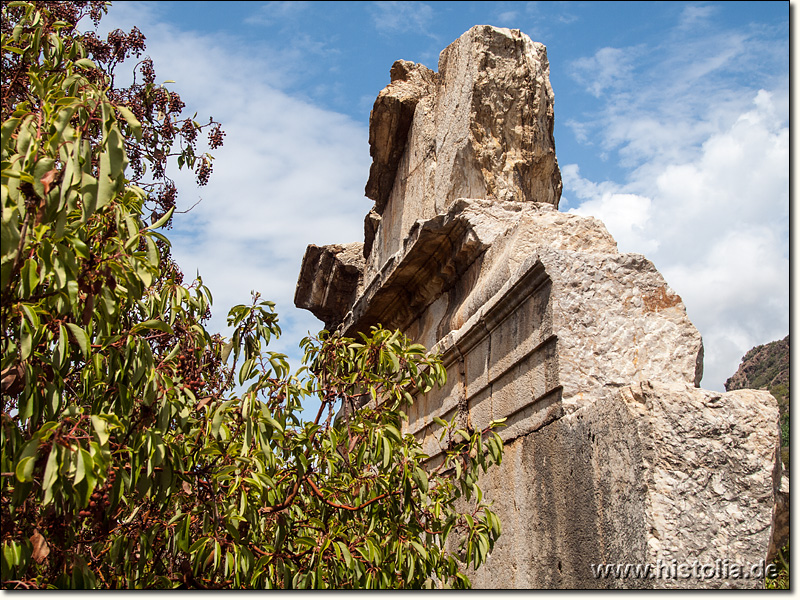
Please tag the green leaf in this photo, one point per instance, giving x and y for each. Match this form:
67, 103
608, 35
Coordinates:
152, 324
100, 426
8, 128
85, 63
61, 353
31, 316
226, 351
51, 469
26, 342
106, 188
392, 432
420, 548
64, 117
116, 153
387, 453
84, 465
24, 470
81, 338
348, 558
217, 422
162, 220
421, 479
133, 122
43, 166
88, 195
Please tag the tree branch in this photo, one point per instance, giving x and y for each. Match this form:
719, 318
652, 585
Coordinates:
318, 493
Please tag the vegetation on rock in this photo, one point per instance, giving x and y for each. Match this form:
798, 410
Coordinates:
766, 367
128, 458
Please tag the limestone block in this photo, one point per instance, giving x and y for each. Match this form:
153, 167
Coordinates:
710, 473
389, 123
617, 322
328, 280
485, 130
495, 104
434, 258
658, 472
507, 277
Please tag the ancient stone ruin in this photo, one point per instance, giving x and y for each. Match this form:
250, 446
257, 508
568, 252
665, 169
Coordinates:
612, 452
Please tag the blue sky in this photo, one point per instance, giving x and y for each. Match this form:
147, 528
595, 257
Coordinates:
671, 126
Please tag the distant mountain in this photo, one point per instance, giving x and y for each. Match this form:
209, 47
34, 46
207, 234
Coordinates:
767, 368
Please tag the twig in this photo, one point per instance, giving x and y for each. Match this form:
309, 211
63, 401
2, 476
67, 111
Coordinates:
322, 497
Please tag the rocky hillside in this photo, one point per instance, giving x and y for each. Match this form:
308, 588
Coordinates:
767, 368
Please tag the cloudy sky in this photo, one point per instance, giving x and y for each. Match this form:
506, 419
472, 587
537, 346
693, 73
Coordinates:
672, 126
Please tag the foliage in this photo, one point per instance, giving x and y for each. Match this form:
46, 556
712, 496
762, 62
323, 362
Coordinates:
781, 580
54, 39
128, 459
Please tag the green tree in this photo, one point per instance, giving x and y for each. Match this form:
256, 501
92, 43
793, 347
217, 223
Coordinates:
128, 458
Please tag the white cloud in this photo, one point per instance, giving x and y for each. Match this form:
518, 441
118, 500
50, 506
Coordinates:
507, 18
273, 13
289, 174
693, 15
713, 216
627, 217
701, 124
401, 17
608, 68
567, 18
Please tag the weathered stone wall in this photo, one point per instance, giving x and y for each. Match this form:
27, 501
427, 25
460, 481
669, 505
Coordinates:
655, 474
613, 455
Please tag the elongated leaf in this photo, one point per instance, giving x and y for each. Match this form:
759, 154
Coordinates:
162, 220
84, 465
421, 479
80, 337
387, 453
88, 195
24, 470
106, 188
60, 354
101, 429
85, 63
133, 122
348, 558
152, 324
43, 166
51, 469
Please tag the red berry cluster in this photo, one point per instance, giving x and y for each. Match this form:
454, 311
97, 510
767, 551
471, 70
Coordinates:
99, 501
215, 137
148, 71
203, 171
191, 371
